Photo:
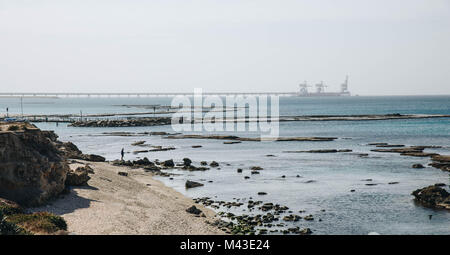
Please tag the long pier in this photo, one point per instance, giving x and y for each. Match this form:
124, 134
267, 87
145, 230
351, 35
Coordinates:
145, 94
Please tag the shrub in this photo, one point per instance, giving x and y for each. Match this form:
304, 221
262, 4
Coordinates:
13, 128
6, 209
8, 228
40, 222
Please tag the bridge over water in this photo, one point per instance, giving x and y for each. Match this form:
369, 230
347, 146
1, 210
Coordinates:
145, 94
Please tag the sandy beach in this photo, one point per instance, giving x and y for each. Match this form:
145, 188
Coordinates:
133, 204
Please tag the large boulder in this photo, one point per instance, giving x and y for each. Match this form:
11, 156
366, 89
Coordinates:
78, 177
168, 163
433, 196
31, 167
187, 162
71, 151
191, 184
92, 157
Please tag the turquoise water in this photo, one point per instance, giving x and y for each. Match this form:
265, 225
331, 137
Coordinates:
384, 208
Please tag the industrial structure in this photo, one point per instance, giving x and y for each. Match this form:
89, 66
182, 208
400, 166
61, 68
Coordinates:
320, 89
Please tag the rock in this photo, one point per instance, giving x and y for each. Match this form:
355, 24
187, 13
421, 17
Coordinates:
143, 162
441, 158
196, 146
254, 139
69, 150
78, 177
194, 210
291, 217
123, 173
390, 145
305, 231
89, 169
441, 162
418, 154
254, 172
168, 163
93, 158
256, 168
433, 196
138, 143
309, 217
160, 148
214, 164
137, 122
415, 151
393, 183
187, 161
239, 170
315, 151
262, 193
192, 184
418, 166
378, 144
231, 142
246, 177
32, 169
203, 163
194, 168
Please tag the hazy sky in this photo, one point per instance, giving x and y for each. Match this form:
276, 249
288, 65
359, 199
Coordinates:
385, 46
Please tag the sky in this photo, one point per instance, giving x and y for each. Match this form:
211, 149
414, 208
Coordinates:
387, 47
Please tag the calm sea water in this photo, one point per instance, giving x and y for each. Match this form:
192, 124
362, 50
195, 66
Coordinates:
384, 208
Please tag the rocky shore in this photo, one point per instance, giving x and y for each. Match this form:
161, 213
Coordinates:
438, 161
91, 196
32, 172
32, 168
51, 187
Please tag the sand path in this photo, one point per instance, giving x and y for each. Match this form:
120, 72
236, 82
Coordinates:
137, 204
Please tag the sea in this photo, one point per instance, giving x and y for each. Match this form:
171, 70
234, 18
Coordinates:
323, 188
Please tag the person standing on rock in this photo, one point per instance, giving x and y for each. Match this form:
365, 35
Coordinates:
122, 153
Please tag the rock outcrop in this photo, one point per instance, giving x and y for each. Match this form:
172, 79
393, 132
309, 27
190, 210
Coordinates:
71, 151
137, 122
433, 196
78, 177
191, 184
32, 170
441, 161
